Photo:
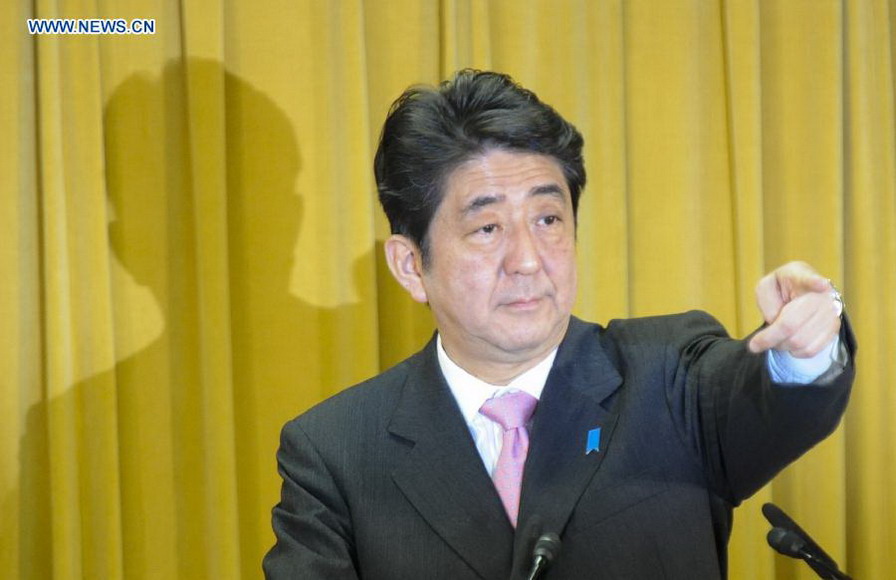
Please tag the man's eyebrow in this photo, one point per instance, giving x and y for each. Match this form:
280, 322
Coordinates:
548, 189
480, 202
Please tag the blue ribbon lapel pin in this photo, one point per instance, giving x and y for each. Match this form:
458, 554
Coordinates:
593, 441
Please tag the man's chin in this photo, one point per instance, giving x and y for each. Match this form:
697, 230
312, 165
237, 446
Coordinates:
534, 339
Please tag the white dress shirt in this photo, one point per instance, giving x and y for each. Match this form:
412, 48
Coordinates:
786, 368
470, 393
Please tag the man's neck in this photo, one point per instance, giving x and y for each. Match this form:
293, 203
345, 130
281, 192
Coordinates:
496, 371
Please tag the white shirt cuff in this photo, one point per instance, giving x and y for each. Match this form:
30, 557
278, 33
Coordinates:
786, 368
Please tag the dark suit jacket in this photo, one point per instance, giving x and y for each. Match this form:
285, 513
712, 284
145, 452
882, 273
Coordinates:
383, 481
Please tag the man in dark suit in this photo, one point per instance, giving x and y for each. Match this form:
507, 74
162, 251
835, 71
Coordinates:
632, 442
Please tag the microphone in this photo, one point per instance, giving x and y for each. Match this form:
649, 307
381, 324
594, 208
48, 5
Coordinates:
546, 549
790, 539
778, 519
786, 542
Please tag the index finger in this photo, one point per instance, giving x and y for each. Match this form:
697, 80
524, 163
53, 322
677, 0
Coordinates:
769, 297
768, 338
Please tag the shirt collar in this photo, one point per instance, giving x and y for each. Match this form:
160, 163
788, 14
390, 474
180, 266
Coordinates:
471, 392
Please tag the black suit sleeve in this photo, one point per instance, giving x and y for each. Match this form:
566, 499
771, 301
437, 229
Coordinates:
746, 427
312, 522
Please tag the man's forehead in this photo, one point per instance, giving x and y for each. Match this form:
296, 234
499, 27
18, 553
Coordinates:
489, 178
474, 202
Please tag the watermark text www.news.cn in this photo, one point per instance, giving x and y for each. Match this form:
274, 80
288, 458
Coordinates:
91, 26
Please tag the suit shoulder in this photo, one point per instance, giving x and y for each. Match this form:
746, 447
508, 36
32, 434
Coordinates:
666, 328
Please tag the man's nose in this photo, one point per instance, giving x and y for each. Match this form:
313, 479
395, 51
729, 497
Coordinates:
522, 255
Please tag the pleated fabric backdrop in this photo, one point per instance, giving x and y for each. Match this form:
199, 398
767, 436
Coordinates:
191, 248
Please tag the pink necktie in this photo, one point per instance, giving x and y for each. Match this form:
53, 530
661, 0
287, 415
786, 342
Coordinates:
512, 412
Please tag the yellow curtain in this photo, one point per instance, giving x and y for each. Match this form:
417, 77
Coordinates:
191, 249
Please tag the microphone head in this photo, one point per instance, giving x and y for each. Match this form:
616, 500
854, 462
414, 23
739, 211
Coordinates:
786, 542
776, 516
778, 519
547, 546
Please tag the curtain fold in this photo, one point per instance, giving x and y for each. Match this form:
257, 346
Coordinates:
191, 246
869, 216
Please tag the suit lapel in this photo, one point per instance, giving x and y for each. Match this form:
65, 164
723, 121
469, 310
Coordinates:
558, 469
443, 475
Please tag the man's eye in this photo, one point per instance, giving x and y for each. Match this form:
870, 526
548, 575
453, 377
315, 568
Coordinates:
550, 220
489, 229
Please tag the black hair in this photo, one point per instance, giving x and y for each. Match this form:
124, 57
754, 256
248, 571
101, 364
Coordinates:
430, 131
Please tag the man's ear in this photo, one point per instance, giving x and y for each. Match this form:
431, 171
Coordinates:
403, 257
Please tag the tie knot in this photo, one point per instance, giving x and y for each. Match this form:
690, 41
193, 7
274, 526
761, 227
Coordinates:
510, 411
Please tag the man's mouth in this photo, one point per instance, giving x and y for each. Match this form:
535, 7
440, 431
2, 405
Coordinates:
524, 303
